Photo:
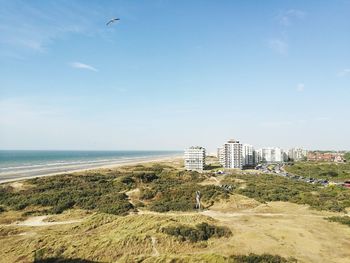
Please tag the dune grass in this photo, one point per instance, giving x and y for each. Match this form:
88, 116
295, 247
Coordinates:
163, 187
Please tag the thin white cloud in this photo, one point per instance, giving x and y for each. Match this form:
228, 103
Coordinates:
300, 87
80, 65
344, 72
286, 18
278, 45
43, 24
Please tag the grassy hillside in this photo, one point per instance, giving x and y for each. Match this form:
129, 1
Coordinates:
330, 171
145, 213
163, 188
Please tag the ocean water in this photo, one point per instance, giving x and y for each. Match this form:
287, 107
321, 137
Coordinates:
17, 164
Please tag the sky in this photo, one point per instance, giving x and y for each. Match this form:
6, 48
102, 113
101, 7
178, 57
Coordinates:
171, 74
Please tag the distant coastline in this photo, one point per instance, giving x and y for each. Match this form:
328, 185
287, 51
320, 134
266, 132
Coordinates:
22, 169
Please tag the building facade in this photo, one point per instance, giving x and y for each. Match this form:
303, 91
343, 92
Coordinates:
221, 155
195, 158
232, 154
270, 155
248, 155
297, 154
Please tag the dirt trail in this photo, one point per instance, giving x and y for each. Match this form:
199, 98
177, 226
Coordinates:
39, 221
227, 215
221, 215
147, 212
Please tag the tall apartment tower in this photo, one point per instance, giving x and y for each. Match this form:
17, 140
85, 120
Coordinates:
233, 154
297, 154
270, 155
248, 155
221, 155
195, 158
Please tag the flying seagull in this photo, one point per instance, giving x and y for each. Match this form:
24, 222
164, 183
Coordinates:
112, 21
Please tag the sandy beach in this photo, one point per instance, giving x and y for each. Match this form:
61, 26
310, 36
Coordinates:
51, 171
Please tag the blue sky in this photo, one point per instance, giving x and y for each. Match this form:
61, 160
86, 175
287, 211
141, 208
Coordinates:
172, 74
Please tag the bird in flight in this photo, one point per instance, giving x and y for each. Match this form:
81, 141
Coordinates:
112, 21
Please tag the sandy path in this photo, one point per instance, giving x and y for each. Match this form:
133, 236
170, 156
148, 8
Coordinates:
39, 221
154, 243
227, 215
223, 215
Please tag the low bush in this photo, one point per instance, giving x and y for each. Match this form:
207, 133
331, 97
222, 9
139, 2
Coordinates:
264, 258
200, 232
147, 193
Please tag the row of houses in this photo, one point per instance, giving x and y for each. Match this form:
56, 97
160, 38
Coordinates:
325, 157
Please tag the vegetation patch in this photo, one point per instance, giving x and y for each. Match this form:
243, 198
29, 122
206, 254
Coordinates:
162, 187
340, 219
330, 171
251, 258
175, 190
264, 258
200, 232
267, 188
91, 192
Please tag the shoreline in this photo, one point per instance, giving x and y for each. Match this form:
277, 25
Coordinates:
20, 177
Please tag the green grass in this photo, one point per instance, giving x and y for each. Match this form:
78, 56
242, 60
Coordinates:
330, 171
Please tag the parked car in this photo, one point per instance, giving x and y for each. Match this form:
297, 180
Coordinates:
347, 184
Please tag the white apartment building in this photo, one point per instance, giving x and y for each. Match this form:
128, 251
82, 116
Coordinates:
297, 154
270, 155
221, 155
232, 154
248, 155
195, 158
285, 157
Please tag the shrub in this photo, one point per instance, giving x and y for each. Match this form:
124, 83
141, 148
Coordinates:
264, 258
147, 194
200, 232
329, 173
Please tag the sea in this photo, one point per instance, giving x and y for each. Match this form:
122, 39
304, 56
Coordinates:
17, 164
